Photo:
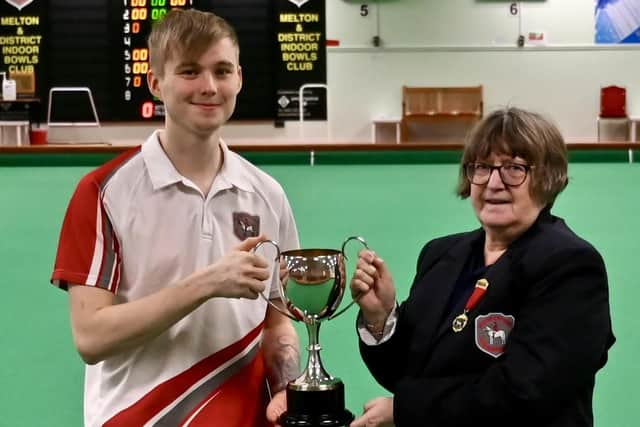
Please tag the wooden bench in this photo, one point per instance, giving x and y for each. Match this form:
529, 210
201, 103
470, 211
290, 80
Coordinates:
450, 111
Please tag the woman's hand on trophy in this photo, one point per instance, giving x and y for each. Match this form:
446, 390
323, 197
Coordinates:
377, 413
238, 274
277, 407
372, 287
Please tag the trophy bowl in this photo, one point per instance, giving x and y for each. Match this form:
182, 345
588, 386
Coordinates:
312, 290
314, 285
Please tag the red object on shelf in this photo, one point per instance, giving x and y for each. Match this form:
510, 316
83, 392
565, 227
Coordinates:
333, 42
613, 102
38, 136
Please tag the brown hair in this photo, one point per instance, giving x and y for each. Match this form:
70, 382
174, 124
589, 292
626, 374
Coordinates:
516, 132
187, 33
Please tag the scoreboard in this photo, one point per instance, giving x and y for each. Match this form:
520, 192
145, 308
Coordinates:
102, 44
130, 22
132, 59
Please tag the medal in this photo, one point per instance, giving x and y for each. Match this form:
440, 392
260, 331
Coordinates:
461, 320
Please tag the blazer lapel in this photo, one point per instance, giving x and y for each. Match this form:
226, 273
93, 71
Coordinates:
497, 275
442, 279
439, 282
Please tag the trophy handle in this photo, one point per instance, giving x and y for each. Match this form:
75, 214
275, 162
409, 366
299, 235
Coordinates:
277, 260
355, 298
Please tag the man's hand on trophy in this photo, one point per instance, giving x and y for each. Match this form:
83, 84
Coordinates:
377, 413
277, 407
372, 287
284, 272
238, 274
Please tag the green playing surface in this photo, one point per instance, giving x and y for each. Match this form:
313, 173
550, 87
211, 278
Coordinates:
395, 205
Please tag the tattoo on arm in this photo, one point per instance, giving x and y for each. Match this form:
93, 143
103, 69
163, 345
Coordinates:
285, 363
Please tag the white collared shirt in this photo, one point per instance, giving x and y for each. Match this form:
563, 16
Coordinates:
135, 226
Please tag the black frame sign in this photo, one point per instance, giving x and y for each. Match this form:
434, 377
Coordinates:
22, 38
301, 59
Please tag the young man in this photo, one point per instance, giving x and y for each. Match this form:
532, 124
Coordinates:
156, 254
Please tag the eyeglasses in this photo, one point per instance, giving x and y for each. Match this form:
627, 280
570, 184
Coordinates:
511, 174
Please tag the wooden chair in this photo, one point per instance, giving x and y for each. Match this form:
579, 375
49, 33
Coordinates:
453, 106
613, 109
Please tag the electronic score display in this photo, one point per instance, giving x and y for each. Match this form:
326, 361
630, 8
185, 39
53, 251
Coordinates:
118, 76
136, 20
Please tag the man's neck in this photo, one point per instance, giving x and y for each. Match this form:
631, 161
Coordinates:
195, 158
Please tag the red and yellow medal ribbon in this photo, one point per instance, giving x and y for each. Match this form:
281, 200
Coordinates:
478, 292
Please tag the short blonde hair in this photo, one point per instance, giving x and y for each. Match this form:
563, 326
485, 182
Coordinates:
188, 33
516, 132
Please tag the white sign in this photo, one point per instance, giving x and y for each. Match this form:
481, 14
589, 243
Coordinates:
19, 4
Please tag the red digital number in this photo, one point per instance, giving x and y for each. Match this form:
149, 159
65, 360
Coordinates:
148, 109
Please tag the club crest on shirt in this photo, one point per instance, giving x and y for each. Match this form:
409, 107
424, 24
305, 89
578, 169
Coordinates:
19, 4
245, 225
492, 332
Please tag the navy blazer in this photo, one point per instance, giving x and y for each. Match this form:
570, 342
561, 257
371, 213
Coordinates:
548, 292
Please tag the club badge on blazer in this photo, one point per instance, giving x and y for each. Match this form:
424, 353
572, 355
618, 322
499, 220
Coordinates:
492, 332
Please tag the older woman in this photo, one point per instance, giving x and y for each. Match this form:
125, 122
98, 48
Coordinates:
506, 325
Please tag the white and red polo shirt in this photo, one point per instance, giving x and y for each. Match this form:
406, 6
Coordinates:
135, 226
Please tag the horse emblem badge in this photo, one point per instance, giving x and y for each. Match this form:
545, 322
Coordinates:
492, 332
245, 225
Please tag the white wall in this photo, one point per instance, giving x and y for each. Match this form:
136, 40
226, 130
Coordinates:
457, 43
458, 22
562, 84
466, 43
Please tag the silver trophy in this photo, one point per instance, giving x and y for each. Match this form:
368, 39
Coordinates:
311, 291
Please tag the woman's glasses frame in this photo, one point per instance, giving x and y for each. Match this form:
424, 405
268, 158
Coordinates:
512, 174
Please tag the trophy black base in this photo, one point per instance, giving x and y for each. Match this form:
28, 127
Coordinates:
316, 408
